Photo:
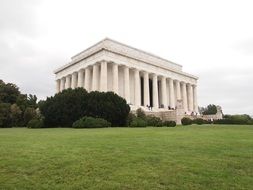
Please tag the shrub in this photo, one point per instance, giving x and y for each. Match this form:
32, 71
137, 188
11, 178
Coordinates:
140, 113
186, 121
35, 124
138, 122
169, 124
153, 121
199, 121
223, 121
91, 122
130, 118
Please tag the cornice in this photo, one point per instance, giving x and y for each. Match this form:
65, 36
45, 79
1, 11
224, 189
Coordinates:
117, 47
126, 51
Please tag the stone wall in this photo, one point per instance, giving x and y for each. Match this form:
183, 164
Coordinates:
206, 117
169, 115
178, 114
166, 115
209, 117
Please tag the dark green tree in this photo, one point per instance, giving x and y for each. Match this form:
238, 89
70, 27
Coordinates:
24, 101
210, 110
9, 92
109, 106
5, 115
14, 105
64, 108
29, 114
15, 115
70, 105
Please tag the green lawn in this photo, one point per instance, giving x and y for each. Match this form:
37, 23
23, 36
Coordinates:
191, 157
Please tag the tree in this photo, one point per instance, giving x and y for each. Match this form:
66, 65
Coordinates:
201, 109
24, 101
15, 115
14, 104
9, 92
32, 101
109, 106
29, 114
64, 108
211, 109
5, 119
70, 105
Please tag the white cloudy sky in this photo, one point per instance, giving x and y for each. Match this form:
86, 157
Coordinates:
211, 39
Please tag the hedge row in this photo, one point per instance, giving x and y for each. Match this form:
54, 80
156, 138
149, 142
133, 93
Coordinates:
91, 122
198, 121
243, 119
228, 119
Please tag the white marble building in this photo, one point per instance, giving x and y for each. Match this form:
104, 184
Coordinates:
143, 79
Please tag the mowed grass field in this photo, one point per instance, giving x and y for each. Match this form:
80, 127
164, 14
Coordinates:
184, 157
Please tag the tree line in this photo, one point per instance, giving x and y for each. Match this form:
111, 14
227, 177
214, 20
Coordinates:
81, 109
16, 109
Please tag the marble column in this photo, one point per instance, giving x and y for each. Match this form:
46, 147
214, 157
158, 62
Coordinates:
62, 84
95, 77
195, 102
179, 97
184, 94
103, 78
146, 89
190, 97
137, 96
115, 79
155, 91
164, 92
68, 82
80, 78
74, 80
87, 79
172, 93
126, 84
58, 86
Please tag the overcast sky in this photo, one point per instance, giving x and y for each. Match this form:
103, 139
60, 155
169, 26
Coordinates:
211, 39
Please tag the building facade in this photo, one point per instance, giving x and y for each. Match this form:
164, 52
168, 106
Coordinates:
143, 79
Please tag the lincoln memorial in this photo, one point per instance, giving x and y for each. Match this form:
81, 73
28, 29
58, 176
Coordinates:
143, 79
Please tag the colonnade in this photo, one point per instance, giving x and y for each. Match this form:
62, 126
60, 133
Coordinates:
150, 89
